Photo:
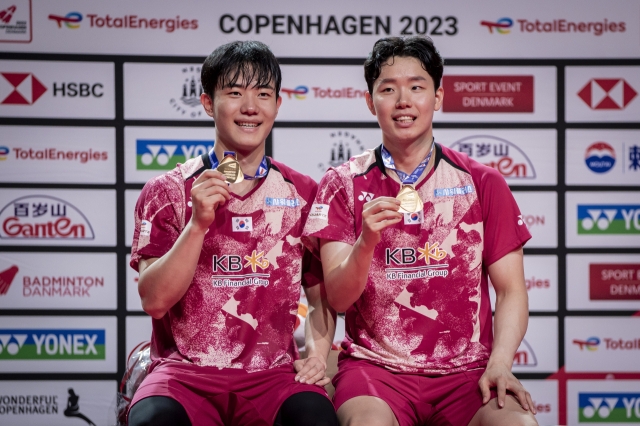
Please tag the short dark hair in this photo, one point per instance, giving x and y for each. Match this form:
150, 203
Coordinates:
252, 61
419, 47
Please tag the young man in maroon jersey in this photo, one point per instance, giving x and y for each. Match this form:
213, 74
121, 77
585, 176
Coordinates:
221, 264
408, 233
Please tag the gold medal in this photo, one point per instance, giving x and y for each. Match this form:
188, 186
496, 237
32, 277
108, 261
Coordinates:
410, 201
230, 168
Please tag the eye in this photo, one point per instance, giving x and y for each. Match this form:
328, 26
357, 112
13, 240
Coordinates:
386, 90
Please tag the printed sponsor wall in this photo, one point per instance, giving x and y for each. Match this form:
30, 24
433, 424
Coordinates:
97, 98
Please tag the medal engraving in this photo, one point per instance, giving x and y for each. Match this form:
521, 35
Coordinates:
410, 201
230, 168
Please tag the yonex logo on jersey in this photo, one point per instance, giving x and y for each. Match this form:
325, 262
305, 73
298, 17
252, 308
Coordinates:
365, 196
447, 192
242, 224
282, 202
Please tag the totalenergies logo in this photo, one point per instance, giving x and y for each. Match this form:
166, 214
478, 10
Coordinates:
300, 92
4, 152
501, 26
591, 344
71, 20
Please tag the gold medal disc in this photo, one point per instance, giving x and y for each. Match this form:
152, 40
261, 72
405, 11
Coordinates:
410, 201
230, 168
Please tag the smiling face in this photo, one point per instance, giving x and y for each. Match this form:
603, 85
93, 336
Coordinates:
404, 100
243, 115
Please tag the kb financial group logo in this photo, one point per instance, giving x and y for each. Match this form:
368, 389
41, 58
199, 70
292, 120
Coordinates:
52, 344
608, 407
41, 217
601, 219
165, 154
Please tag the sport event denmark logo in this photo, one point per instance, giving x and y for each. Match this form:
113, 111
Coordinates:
165, 154
608, 407
26, 88
500, 154
43, 217
607, 93
604, 219
488, 93
188, 102
343, 144
614, 281
52, 344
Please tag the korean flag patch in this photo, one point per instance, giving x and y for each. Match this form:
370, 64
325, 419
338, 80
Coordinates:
414, 218
242, 224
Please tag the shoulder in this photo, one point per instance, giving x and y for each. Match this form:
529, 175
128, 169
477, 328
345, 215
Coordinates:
480, 173
304, 185
356, 166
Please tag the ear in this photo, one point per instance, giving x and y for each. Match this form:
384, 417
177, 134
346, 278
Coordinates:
439, 98
278, 103
369, 99
207, 103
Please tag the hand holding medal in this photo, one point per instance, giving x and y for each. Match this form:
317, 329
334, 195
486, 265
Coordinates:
230, 168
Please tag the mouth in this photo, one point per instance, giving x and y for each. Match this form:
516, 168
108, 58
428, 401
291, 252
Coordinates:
247, 124
404, 119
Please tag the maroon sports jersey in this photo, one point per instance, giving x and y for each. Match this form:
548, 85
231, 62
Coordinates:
425, 307
240, 309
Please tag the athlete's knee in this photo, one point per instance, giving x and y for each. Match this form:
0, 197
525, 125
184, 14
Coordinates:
307, 409
158, 411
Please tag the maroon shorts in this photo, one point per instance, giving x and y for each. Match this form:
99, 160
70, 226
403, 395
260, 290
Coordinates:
414, 399
213, 396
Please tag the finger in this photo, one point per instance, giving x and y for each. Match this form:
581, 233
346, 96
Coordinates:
521, 394
484, 389
201, 194
380, 206
315, 378
532, 406
210, 183
375, 201
323, 382
309, 373
502, 392
298, 364
382, 216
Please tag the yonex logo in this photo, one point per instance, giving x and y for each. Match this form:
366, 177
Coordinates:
608, 219
366, 196
26, 88
166, 154
501, 26
42, 344
607, 93
609, 407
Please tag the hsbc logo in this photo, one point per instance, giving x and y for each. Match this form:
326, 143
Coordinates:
26, 88
607, 93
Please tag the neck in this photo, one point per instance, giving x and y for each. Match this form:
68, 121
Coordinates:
407, 156
249, 159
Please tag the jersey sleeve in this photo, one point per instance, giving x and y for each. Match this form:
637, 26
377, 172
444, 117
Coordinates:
311, 270
330, 217
504, 229
157, 226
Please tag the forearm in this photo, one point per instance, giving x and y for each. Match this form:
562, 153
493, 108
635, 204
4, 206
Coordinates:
510, 325
346, 282
163, 283
320, 328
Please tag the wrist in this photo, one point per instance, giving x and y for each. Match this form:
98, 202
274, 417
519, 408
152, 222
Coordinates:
315, 354
194, 229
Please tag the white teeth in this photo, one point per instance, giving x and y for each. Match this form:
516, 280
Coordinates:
248, 124
405, 118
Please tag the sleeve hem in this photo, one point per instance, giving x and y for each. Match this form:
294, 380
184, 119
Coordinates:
520, 242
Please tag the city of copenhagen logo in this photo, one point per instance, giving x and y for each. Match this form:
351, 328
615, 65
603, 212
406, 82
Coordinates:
187, 102
401, 262
607, 93
609, 407
608, 219
227, 264
600, 157
343, 143
41, 217
614, 281
500, 154
52, 344
165, 154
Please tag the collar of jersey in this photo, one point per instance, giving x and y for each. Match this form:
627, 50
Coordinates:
383, 169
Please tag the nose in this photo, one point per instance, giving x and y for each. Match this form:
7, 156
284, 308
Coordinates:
404, 100
249, 106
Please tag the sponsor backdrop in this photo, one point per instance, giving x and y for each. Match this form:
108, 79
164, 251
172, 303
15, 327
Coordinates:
96, 98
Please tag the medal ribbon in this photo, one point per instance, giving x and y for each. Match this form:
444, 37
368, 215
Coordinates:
260, 173
406, 179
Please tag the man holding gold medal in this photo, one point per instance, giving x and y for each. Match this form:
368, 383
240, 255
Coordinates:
410, 266
217, 244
